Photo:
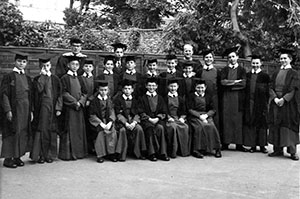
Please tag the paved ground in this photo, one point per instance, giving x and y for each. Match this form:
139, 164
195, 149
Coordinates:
236, 175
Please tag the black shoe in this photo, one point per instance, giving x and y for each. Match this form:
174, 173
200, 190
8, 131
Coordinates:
218, 153
240, 148
263, 149
19, 162
100, 160
197, 154
152, 158
276, 153
142, 158
252, 149
9, 163
49, 160
164, 158
41, 160
295, 157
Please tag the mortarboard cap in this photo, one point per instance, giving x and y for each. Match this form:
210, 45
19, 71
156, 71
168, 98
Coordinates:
286, 51
206, 52
109, 57
89, 61
73, 58
173, 80
170, 57
75, 40
130, 58
44, 58
152, 60
230, 50
21, 55
199, 81
187, 63
152, 80
100, 83
119, 45
127, 82
255, 56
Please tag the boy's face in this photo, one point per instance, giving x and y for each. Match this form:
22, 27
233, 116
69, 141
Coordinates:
109, 65
152, 67
119, 52
209, 59
188, 51
73, 65
46, 66
200, 89
256, 64
103, 91
151, 86
128, 90
285, 59
233, 58
171, 63
88, 68
130, 65
188, 69
21, 63
173, 87
76, 48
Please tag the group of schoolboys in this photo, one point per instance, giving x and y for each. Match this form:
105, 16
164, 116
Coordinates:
154, 116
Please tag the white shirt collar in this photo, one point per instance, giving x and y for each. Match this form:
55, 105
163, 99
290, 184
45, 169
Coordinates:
192, 74
125, 97
151, 94
173, 94
87, 75
257, 71
15, 69
71, 73
107, 72
233, 66
199, 95
152, 74
102, 98
130, 72
206, 67
286, 67
48, 73
171, 71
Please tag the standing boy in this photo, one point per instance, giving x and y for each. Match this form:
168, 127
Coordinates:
16, 88
47, 107
153, 111
73, 143
120, 63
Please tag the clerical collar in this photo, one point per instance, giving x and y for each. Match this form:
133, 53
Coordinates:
151, 94
102, 98
87, 75
154, 74
15, 69
127, 97
175, 94
192, 74
233, 66
286, 67
107, 72
198, 95
256, 71
206, 67
71, 73
68, 54
171, 71
130, 72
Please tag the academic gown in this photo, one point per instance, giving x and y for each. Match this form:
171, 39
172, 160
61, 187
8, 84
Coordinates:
177, 132
47, 100
232, 104
126, 111
284, 121
16, 96
154, 133
105, 141
256, 109
205, 136
73, 142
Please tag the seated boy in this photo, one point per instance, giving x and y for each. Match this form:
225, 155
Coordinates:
47, 107
128, 121
153, 111
205, 136
177, 129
